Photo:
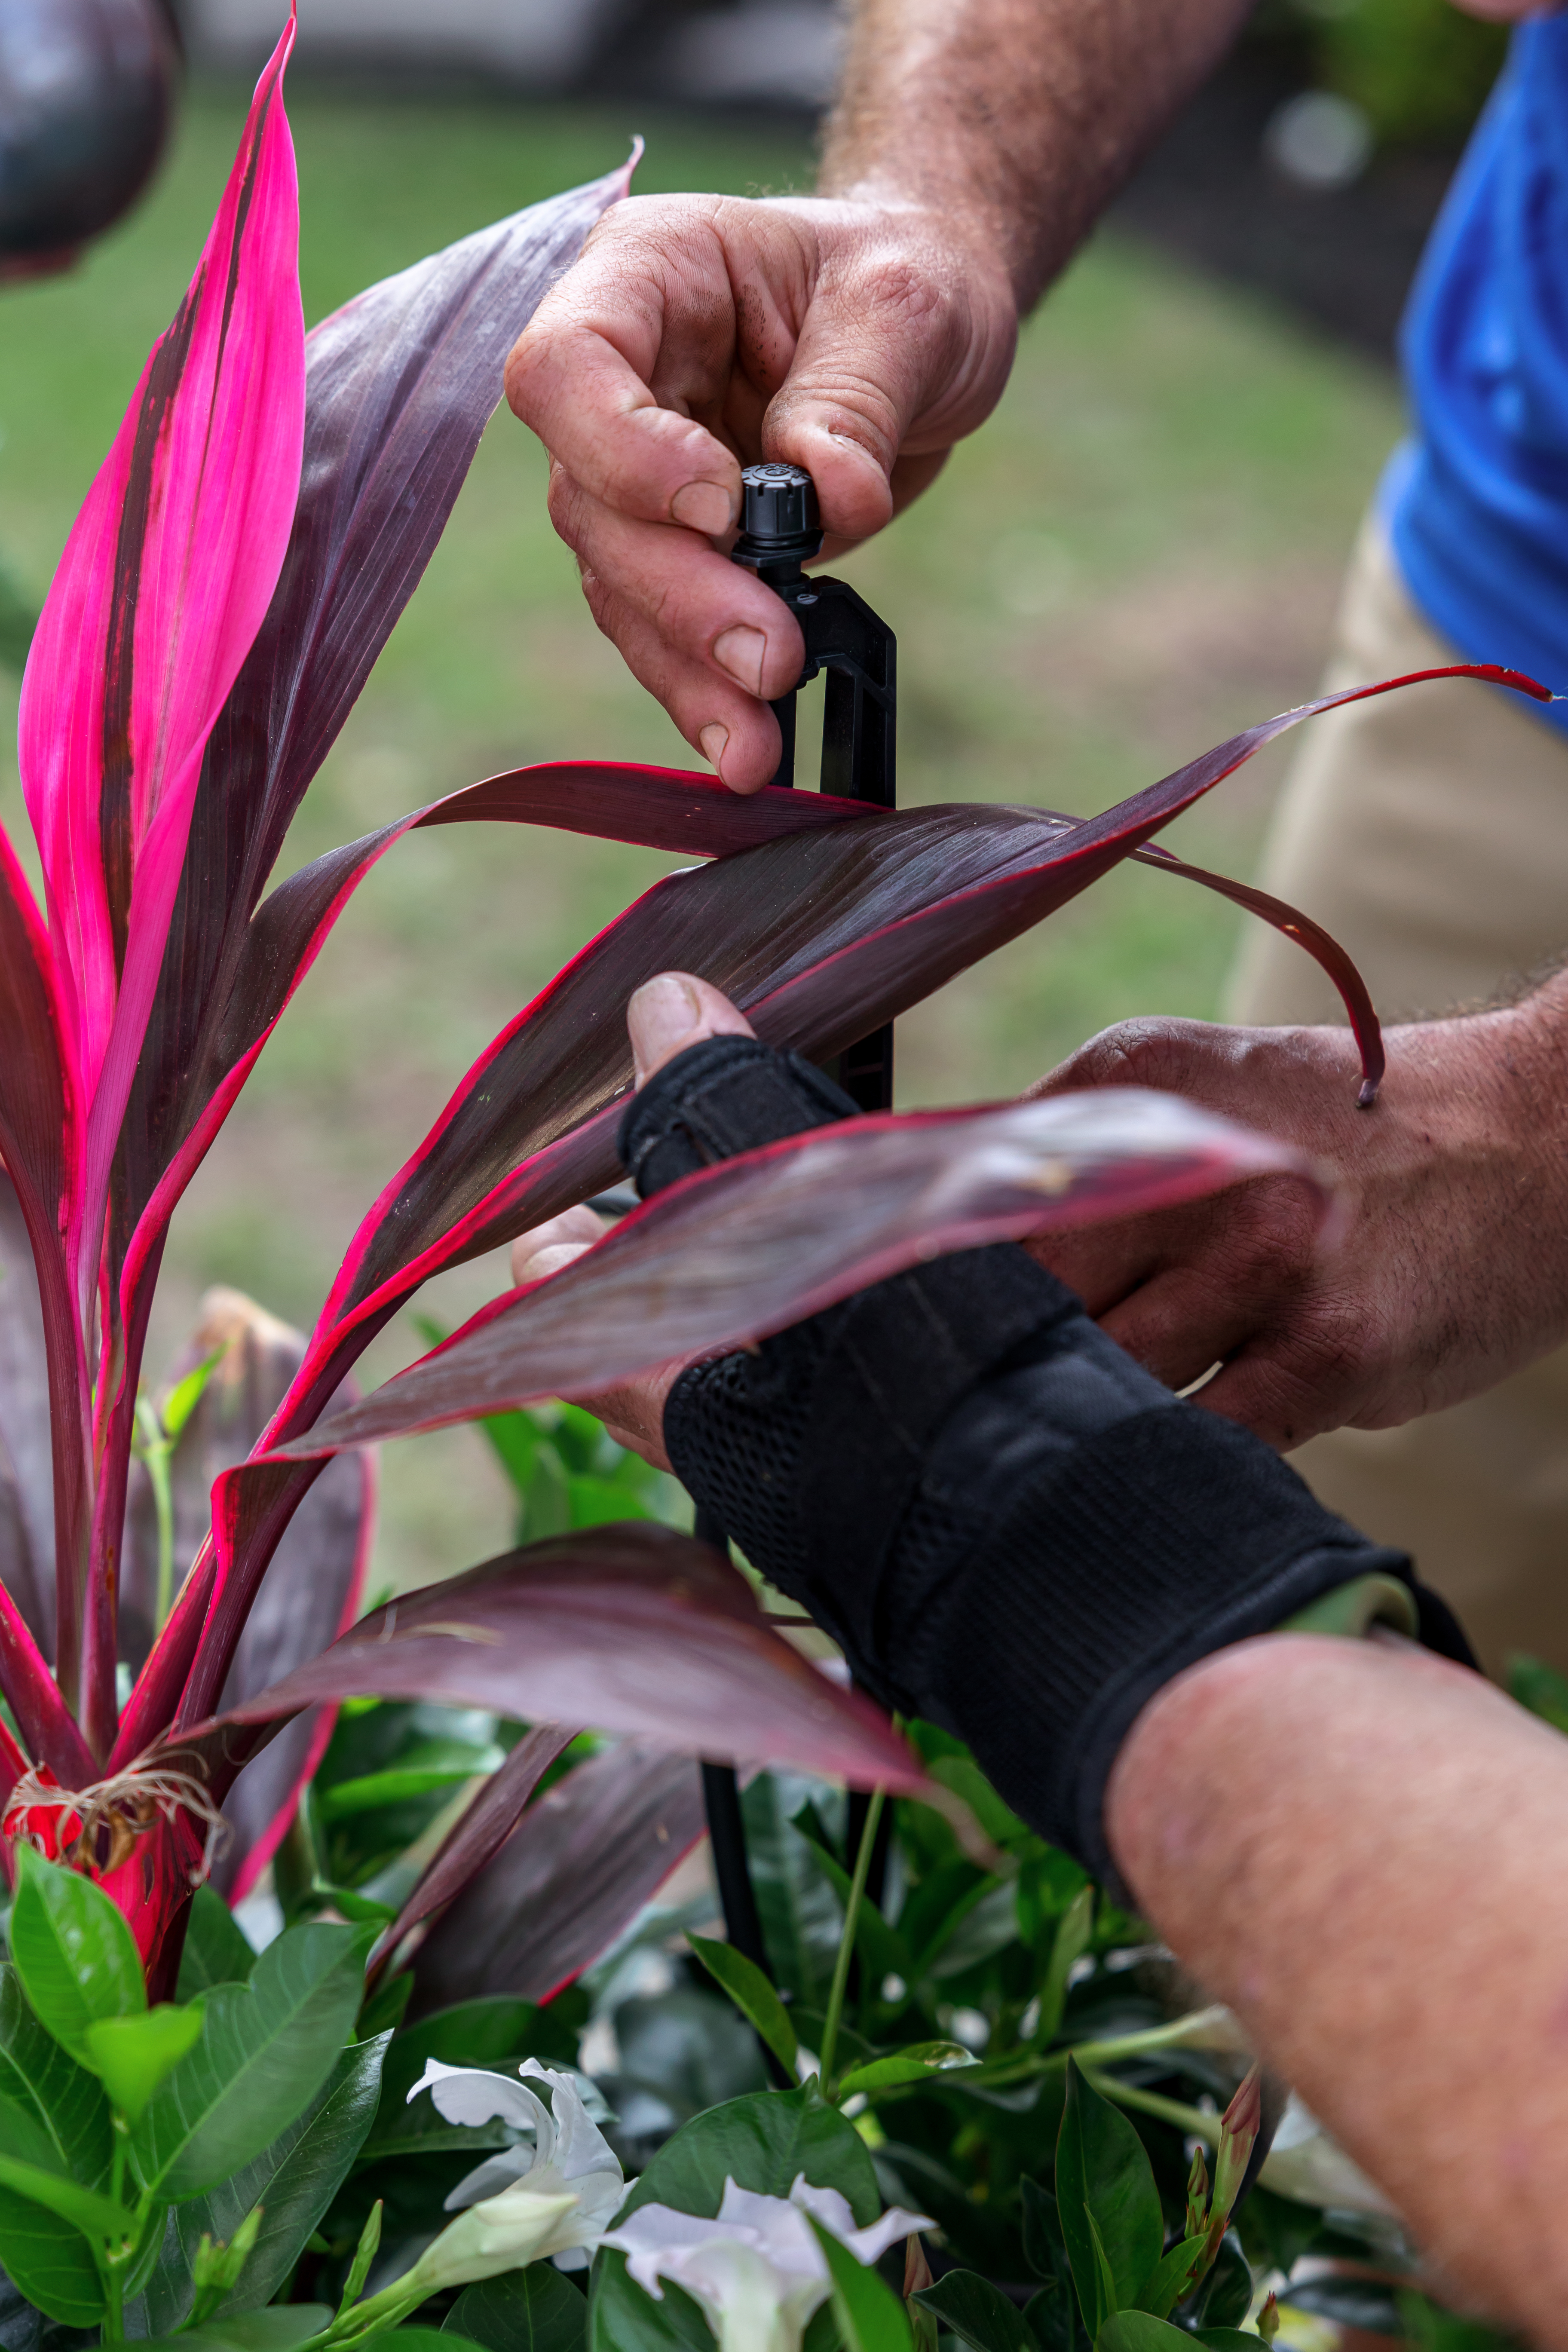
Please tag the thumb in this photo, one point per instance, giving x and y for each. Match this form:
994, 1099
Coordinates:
901, 353
674, 1010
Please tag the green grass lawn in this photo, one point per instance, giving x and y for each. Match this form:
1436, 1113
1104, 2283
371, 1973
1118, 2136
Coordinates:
1136, 556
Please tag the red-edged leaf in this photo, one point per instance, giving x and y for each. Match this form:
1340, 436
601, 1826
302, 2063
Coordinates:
820, 935
580, 1867
39, 1141
757, 1243
399, 386
629, 1627
479, 1836
1321, 945
27, 1463
312, 1590
165, 581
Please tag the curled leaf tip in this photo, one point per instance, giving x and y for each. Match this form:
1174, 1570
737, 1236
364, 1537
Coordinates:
1367, 1094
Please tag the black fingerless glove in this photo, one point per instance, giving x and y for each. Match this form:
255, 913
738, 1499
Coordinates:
1010, 1528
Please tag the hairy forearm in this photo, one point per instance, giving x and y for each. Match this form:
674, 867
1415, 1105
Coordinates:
1363, 1849
1025, 115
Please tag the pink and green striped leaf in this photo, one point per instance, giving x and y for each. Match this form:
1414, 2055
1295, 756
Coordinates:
164, 580
399, 386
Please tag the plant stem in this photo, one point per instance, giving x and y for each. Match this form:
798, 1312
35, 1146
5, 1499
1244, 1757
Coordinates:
155, 1447
847, 1941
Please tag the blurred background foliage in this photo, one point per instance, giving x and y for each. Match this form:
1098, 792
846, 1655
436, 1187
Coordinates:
1138, 554
1419, 69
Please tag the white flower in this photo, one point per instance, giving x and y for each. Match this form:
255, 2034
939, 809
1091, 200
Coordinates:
757, 2272
555, 2197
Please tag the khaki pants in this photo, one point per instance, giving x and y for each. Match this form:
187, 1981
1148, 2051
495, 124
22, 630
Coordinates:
1429, 832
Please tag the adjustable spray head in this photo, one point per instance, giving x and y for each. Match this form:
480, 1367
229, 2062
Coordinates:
780, 524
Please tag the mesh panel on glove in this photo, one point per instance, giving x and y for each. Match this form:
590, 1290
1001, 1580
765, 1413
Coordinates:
1007, 1525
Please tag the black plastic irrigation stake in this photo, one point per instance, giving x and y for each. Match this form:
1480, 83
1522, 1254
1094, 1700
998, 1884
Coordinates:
856, 653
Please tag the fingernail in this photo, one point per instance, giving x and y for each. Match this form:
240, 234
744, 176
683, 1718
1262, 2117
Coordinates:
706, 506
661, 1015
714, 739
741, 652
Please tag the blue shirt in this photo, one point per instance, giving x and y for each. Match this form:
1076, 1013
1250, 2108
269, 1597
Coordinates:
1476, 504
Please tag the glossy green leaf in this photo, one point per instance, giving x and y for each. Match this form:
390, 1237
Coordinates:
964, 1776
266, 2048
1074, 1931
1225, 2298
1234, 2339
1105, 2191
385, 2010
871, 2318
49, 2261
294, 2181
915, 2065
881, 1949
415, 2338
132, 2056
276, 2330
1043, 2248
977, 2313
1053, 2316
52, 2113
217, 1951
763, 2140
73, 1951
1139, 2331
1172, 2276
42, 2080
752, 1995
534, 2310
801, 1916
99, 2218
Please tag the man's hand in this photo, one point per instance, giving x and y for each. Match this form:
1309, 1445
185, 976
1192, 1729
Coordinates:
1448, 1266
698, 335
663, 1018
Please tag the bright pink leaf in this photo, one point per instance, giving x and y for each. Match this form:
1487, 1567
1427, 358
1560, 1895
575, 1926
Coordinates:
165, 581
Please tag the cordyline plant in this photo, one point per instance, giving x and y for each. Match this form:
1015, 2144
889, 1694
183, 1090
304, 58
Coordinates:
263, 516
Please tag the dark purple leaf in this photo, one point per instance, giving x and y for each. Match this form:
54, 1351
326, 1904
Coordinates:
581, 1866
1320, 944
629, 1627
759, 1241
821, 936
479, 1837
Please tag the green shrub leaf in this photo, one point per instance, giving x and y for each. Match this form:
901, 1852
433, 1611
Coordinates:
915, 2065
752, 1995
266, 2049
1139, 2331
276, 2330
131, 2056
977, 2313
293, 2180
1104, 2175
871, 2317
73, 1951
215, 1950
535, 2310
